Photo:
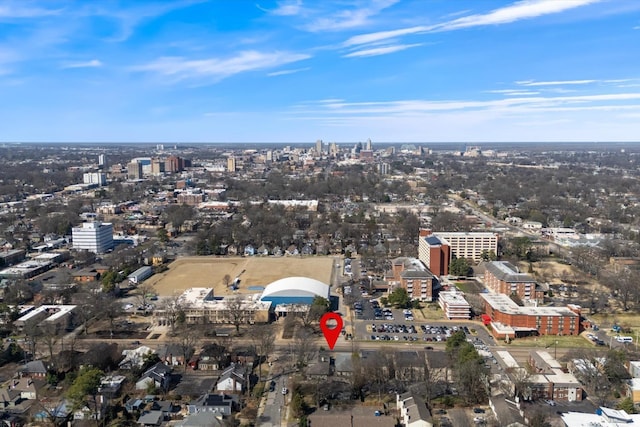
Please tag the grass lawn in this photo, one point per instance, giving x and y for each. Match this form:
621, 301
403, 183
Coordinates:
431, 311
549, 341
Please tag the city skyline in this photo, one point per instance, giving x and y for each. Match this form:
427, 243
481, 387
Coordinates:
292, 71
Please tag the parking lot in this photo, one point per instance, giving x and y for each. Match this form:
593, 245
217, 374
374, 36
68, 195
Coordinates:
383, 331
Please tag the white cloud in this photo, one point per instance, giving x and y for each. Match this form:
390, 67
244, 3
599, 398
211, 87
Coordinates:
554, 83
19, 10
384, 50
384, 35
285, 72
525, 9
286, 8
94, 63
514, 92
350, 18
637, 27
180, 68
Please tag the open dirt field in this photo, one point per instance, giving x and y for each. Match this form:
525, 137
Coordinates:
209, 272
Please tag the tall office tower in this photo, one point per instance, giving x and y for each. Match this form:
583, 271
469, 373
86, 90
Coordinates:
333, 149
319, 146
95, 237
102, 161
231, 164
269, 156
368, 145
157, 166
134, 170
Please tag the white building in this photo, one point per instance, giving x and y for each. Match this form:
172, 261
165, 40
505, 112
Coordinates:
469, 245
97, 178
93, 236
454, 305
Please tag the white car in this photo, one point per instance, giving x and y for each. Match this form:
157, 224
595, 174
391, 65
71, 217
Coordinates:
285, 390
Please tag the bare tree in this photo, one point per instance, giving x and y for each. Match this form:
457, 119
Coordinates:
172, 307
50, 336
143, 293
226, 280
305, 347
263, 338
236, 312
187, 339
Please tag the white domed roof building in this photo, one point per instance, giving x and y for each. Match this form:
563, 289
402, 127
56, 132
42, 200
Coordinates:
294, 290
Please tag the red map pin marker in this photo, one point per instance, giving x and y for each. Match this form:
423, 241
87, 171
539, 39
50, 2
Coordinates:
331, 332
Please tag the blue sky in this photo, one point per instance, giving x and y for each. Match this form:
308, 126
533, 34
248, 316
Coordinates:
301, 70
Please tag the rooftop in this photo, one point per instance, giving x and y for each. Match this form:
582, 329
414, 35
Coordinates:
504, 304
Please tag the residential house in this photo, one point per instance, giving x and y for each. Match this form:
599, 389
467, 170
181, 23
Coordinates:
213, 357
220, 404
263, 250
159, 375
343, 364
411, 365
413, 410
151, 418
249, 250
172, 355
135, 358
202, 419
92, 410
34, 369
233, 379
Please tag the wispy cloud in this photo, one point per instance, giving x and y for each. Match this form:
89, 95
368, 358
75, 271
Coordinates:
384, 50
525, 9
606, 101
94, 63
554, 83
285, 72
216, 69
637, 27
514, 92
285, 8
350, 18
14, 10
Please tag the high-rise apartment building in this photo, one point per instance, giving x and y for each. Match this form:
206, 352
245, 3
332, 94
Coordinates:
157, 166
435, 253
174, 164
231, 164
462, 244
102, 161
319, 146
134, 170
95, 237
96, 178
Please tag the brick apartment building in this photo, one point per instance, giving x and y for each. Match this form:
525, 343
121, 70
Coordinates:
509, 320
436, 250
412, 275
504, 278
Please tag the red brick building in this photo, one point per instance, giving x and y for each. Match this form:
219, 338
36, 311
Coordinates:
412, 275
504, 278
509, 320
434, 252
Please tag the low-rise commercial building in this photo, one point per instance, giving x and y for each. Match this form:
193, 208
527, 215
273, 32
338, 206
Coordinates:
453, 305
